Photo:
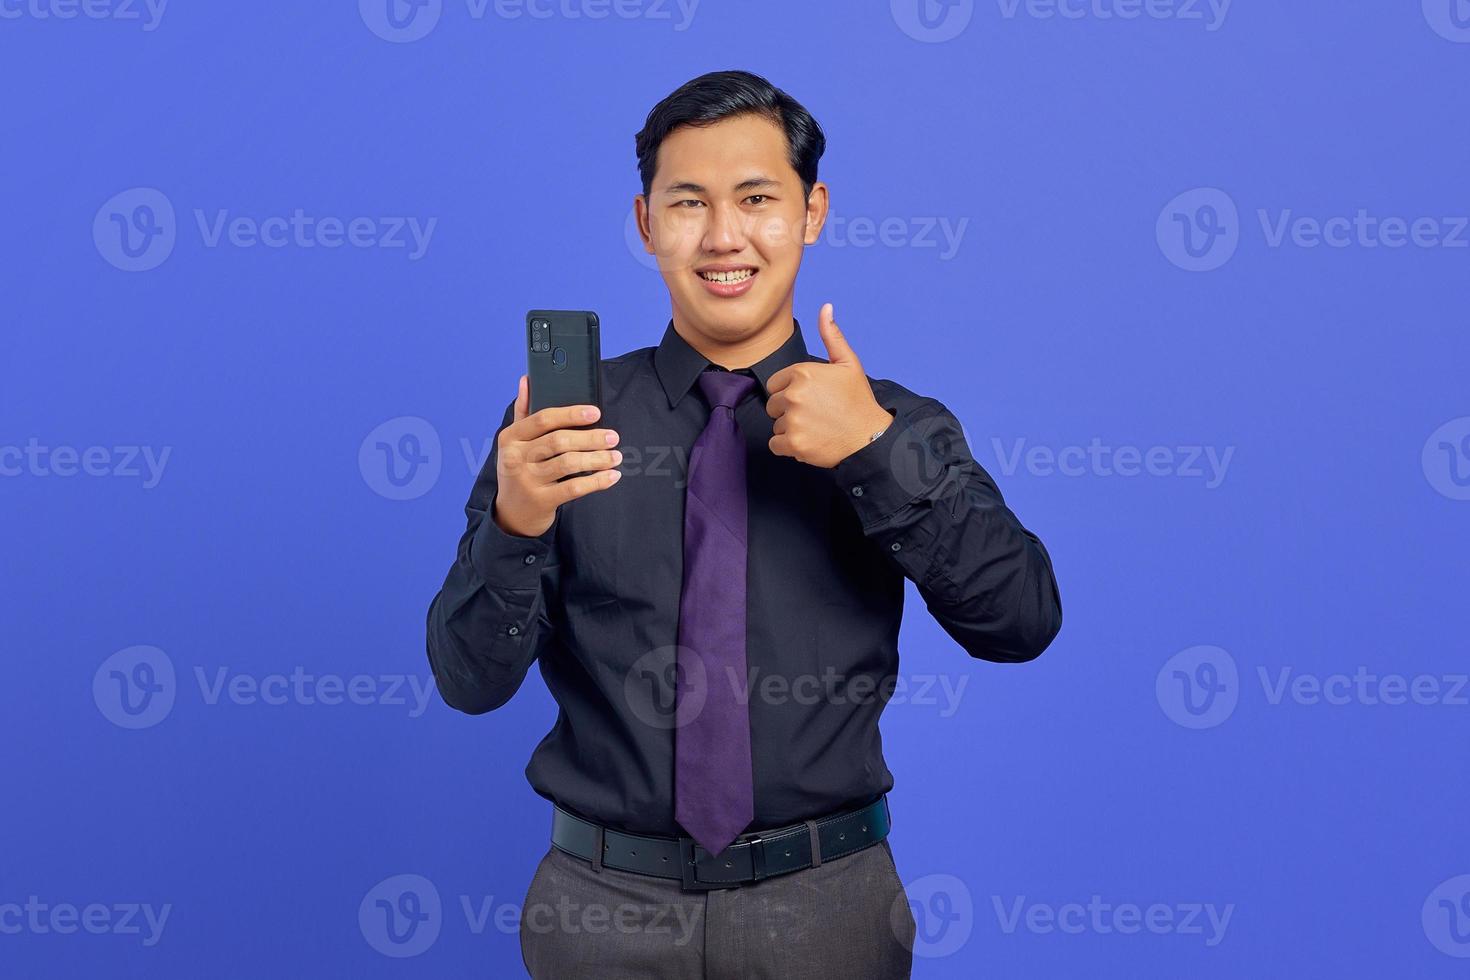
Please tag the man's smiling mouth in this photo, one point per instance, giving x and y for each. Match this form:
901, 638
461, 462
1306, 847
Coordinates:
736, 275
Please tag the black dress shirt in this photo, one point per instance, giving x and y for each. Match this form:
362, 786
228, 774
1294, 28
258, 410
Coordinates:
595, 598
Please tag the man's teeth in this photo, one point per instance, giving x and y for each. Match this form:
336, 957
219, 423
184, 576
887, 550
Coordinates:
740, 275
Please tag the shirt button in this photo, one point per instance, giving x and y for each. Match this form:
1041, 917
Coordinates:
530, 559
894, 546
513, 630
857, 491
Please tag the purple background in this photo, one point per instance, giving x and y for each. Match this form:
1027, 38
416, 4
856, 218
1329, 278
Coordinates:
1334, 541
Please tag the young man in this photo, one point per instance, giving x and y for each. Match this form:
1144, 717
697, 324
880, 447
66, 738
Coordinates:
720, 636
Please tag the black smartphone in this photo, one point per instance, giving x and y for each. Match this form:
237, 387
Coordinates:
564, 361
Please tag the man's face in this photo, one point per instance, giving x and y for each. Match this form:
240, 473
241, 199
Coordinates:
726, 217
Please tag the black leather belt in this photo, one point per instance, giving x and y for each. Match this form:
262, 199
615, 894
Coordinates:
749, 858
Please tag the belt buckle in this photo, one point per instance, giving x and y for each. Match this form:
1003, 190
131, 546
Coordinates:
757, 858
687, 869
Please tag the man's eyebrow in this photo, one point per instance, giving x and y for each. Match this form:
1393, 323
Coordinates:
689, 187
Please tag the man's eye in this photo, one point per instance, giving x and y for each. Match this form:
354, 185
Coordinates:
757, 198
688, 200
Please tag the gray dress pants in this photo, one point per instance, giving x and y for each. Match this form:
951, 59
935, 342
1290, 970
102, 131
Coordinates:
847, 918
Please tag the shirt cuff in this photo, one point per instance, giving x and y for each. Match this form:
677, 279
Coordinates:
510, 560
888, 473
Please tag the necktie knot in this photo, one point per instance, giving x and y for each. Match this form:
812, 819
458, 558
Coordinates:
725, 388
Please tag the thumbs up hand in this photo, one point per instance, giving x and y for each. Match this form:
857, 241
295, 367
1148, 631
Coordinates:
824, 412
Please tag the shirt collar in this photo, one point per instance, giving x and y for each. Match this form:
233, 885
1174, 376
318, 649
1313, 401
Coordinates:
678, 364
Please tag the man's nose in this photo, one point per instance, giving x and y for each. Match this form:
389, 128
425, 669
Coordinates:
727, 230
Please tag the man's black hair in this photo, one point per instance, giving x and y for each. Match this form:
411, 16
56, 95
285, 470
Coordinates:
720, 95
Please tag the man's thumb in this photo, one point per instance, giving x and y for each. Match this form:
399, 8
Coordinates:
838, 350
523, 400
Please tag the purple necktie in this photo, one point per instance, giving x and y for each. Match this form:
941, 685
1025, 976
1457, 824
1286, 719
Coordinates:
713, 781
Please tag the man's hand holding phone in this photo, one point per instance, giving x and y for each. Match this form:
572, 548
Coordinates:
536, 451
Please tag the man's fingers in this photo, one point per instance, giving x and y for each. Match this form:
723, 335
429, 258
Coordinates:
580, 461
560, 441
537, 424
776, 405
580, 486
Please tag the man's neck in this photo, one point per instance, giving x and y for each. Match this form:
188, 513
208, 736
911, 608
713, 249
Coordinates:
744, 353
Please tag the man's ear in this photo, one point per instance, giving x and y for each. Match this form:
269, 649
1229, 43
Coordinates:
640, 208
816, 213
